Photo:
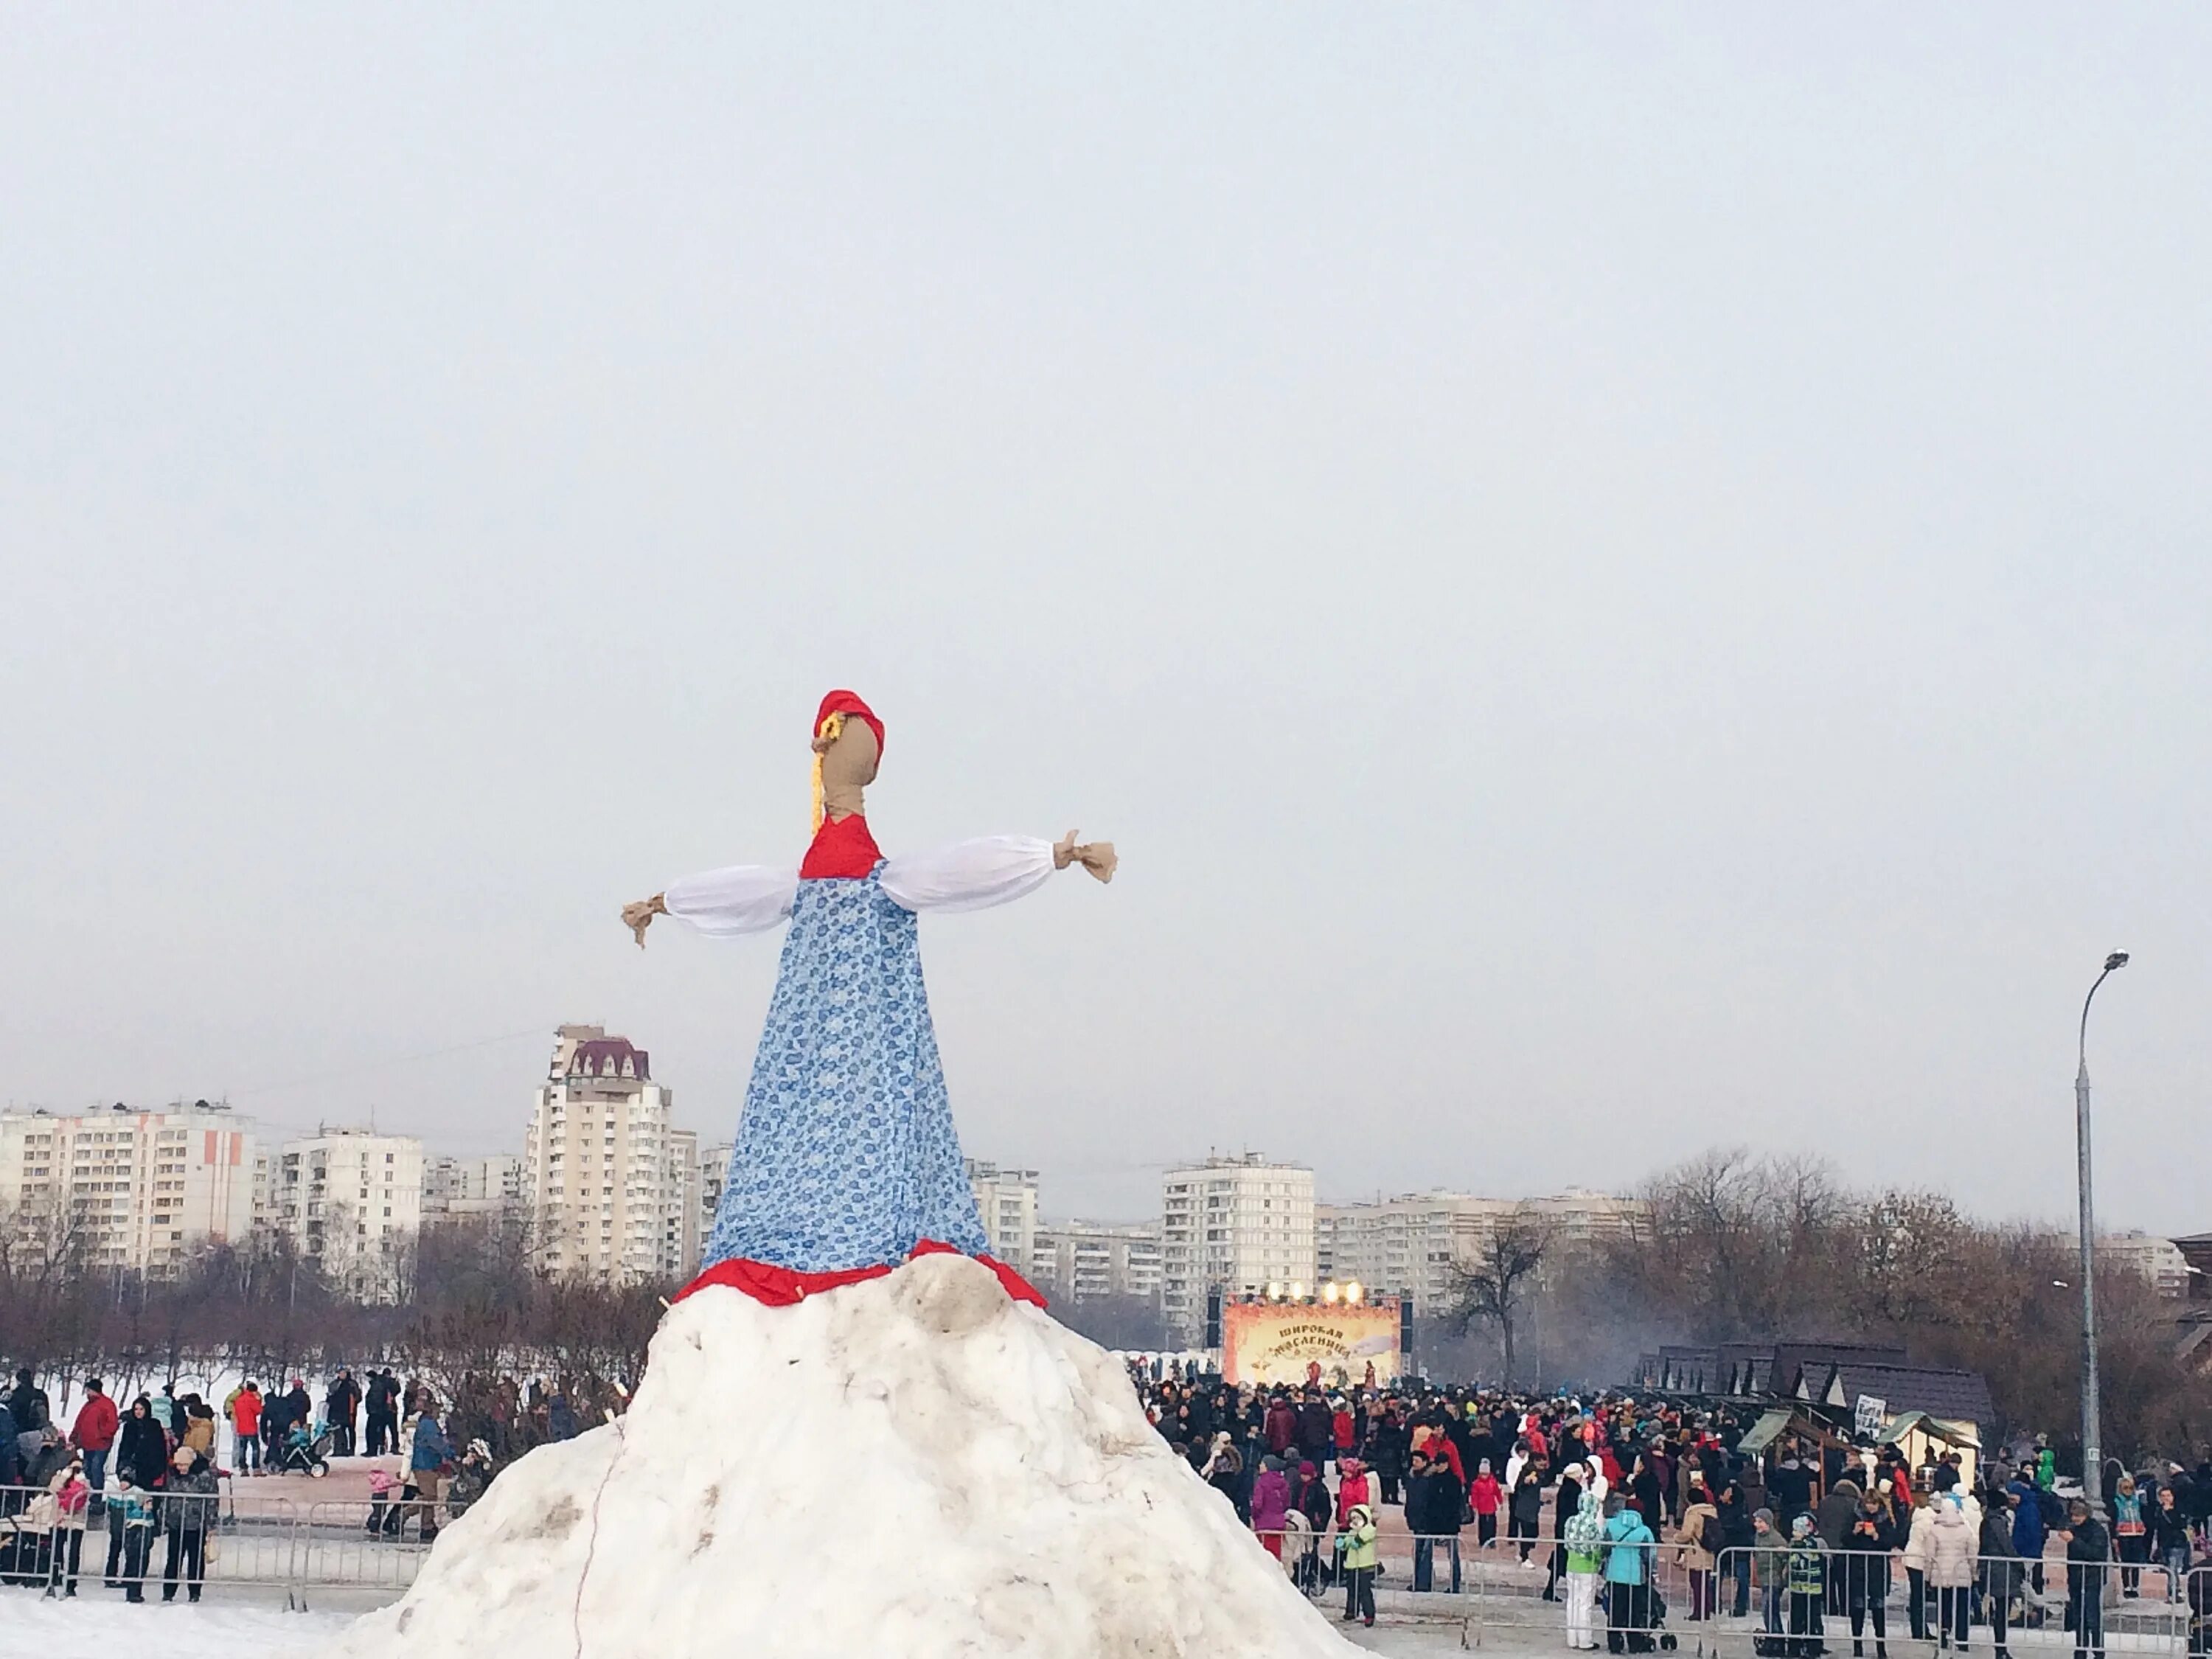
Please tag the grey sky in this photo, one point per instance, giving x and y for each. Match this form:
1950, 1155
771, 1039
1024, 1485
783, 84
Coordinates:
1624, 577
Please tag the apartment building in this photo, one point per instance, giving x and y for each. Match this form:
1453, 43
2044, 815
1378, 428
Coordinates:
473, 1186
125, 1189
1233, 1225
2158, 1261
714, 1171
595, 1161
1083, 1261
351, 1201
1007, 1201
1410, 1243
682, 1233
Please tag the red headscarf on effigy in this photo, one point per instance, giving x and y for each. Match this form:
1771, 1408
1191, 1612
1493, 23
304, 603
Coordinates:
849, 702
842, 848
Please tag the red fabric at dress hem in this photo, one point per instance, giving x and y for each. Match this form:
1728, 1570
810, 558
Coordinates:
780, 1287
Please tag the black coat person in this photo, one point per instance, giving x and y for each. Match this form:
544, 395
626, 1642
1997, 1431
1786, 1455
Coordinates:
1443, 1501
142, 1449
276, 1418
1564, 1507
1316, 1430
382, 1400
341, 1404
1435, 1500
26, 1404
1387, 1449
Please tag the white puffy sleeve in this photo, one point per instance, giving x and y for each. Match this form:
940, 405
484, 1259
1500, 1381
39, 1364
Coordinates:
968, 875
745, 898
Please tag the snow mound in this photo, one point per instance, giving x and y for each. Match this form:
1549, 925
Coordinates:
914, 1466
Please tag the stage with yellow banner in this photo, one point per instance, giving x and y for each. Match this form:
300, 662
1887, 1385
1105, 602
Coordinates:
1264, 1343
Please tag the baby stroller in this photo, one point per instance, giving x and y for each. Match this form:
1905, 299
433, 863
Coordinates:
1647, 1616
307, 1452
1665, 1636
27, 1540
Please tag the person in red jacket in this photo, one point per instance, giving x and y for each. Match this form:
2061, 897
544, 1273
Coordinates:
93, 1432
246, 1429
1353, 1491
1485, 1496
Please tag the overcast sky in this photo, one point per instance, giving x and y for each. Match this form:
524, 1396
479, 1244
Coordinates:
1625, 578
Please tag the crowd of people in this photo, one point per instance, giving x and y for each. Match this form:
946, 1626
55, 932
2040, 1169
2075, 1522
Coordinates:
1595, 1501
148, 1476
1808, 1534
54, 1484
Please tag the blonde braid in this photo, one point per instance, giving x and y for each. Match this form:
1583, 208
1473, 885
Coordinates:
832, 728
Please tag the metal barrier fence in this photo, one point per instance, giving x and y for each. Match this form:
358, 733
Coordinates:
1783, 1602
1757, 1603
1769, 1601
1634, 1602
170, 1544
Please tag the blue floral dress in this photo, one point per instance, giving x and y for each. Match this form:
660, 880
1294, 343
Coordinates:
847, 1155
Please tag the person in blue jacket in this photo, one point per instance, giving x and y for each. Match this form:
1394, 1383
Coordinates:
1628, 1546
427, 1462
2028, 1532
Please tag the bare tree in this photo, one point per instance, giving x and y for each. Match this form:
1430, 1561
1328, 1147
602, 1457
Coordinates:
1904, 1259
1492, 1286
1746, 1247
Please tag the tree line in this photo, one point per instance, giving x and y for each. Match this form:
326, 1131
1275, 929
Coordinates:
1732, 1246
469, 1311
1724, 1247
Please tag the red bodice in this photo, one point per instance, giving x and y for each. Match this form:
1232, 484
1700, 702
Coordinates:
843, 846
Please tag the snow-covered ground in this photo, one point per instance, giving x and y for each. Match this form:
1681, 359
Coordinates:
101, 1623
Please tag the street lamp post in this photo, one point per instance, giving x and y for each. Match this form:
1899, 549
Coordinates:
2092, 1454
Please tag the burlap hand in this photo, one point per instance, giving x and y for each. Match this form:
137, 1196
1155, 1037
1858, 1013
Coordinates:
1095, 856
638, 916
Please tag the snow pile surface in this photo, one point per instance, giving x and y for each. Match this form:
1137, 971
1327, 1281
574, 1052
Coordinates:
915, 1466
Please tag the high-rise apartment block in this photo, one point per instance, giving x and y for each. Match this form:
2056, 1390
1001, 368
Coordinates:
123, 1189
1233, 1225
2158, 1261
1084, 1261
714, 1171
596, 1164
489, 1186
682, 1233
1413, 1242
1007, 1201
351, 1201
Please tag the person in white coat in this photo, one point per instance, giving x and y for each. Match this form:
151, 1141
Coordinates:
1953, 1541
1582, 1538
1919, 1548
